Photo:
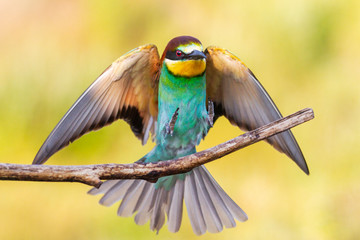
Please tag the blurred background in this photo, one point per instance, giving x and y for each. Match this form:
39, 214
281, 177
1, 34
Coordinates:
305, 53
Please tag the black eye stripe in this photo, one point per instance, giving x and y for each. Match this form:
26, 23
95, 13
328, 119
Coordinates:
180, 55
172, 55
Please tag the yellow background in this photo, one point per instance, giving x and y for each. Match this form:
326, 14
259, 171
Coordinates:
305, 53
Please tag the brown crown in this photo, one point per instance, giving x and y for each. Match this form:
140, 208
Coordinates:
175, 42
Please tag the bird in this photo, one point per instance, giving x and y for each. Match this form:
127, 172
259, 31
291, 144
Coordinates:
175, 98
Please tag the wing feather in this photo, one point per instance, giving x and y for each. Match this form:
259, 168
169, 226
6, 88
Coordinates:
240, 97
127, 90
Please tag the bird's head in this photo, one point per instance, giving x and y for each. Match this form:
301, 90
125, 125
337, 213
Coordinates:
184, 57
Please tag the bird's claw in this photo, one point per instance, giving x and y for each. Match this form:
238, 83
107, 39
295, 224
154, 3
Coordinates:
169, 127
210, 118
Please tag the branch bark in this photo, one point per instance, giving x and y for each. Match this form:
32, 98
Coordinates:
93, 174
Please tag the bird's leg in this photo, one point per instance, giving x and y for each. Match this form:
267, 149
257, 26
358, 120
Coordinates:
169, 127
210, 118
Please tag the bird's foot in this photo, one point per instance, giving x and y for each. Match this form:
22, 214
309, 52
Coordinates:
141, 160
210, 118
169, 127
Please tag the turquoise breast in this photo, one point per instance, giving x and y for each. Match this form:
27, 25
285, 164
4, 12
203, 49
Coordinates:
189, 95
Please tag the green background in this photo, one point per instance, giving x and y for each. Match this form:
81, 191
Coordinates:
305, 53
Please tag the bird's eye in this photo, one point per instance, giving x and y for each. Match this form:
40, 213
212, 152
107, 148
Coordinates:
178, 53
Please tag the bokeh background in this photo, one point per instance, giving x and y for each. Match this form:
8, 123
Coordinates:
306, 54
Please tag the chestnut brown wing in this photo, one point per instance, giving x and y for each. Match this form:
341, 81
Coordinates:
240, 97
127, 90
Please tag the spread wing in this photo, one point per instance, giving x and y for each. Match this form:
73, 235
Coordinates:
240, 97
125, 90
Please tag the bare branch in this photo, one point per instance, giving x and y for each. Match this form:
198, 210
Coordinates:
91, 174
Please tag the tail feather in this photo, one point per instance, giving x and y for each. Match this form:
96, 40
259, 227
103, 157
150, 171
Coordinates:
158, 214
170, 197
128, 204
235, 210
142, 198
193, 205
104, 187
224, 213
175, 206
209, 207
145, 209
116, 192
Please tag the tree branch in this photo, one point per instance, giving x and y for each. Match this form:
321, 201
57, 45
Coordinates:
91, 174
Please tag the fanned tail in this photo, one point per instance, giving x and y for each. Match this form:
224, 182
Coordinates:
209, 207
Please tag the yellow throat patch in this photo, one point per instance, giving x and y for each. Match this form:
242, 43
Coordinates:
186, 68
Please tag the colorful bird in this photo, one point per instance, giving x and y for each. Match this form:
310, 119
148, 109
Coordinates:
176, 98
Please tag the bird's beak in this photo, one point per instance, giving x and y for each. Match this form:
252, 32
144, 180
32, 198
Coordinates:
196, 55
